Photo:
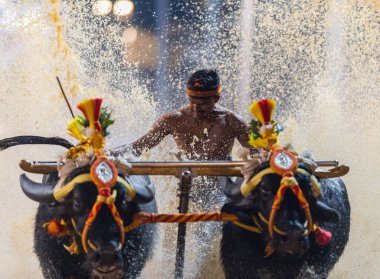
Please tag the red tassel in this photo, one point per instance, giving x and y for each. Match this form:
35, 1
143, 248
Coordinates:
264, 105
322, 237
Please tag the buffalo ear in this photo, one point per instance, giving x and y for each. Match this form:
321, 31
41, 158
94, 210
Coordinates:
323, 212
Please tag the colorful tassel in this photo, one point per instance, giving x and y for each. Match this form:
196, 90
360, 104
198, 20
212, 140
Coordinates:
322, 237
263, 110
56, 227
91, 110
75, 128
73, 248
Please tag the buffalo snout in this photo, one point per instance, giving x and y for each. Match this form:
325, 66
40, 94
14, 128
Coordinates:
106, 260
295, 242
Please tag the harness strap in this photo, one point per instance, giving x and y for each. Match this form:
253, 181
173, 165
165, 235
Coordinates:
61, 193
247, 188
248, 227
106, 198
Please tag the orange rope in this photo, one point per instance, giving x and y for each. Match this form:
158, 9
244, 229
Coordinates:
104, 197
291, 183
141, 218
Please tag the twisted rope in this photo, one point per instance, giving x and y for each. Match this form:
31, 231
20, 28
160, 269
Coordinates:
141, 218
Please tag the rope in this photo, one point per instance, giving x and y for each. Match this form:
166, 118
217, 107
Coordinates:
106, 198
141, 218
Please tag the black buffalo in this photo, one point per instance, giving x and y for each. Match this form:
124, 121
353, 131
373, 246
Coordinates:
295, 254
106, 258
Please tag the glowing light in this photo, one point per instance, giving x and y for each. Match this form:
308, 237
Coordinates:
102, 7
123, 8
130, 35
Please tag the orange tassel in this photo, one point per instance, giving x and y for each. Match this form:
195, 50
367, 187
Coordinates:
56, 228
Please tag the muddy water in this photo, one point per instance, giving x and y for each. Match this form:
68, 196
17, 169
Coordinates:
320, 61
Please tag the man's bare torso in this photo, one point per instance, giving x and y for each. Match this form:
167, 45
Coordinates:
208, 137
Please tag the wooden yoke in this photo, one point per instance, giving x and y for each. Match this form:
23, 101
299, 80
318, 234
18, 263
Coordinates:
175, 168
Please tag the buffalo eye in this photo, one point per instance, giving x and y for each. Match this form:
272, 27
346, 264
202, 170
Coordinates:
77, 203
122, 204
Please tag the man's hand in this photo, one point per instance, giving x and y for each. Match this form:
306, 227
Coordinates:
120, 150
308, 162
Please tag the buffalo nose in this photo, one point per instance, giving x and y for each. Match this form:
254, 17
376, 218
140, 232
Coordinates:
107, 255
295, 232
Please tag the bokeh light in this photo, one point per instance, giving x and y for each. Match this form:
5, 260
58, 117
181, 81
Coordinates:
102, 7
130, 35
123, 8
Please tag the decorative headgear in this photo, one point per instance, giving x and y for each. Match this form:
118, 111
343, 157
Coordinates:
197, 90
263, 133
204, 83
103, 172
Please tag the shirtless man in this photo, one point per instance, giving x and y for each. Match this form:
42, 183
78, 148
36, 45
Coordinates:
202, 129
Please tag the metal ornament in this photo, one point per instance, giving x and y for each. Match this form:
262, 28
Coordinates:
283, 162
103, 171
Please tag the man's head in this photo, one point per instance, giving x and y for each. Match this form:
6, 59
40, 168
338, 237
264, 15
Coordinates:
203, 88
204, 83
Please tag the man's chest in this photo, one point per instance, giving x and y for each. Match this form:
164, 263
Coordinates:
196, 131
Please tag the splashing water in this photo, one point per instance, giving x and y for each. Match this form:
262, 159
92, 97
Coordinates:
318, 59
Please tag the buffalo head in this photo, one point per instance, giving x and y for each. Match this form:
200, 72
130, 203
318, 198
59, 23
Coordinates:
287, 217
95, 229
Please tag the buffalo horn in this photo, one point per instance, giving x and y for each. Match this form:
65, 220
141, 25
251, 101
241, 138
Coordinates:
144, 188
39, 192
232, 189
325, 212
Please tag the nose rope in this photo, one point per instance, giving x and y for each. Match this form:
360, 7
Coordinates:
106, 198
289, 182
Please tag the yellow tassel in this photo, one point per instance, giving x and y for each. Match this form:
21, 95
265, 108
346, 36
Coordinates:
265, 142
73, 248
75, 128
97, 141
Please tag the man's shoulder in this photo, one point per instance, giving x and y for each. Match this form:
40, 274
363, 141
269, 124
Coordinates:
175, 114
228, 113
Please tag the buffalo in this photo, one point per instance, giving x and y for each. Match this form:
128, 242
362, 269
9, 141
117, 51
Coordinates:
106, 256
106, 252
285, 247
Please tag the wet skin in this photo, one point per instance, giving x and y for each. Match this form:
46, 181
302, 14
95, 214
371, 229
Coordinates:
202, 129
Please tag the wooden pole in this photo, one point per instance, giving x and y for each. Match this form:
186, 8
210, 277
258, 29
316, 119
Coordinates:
175, 168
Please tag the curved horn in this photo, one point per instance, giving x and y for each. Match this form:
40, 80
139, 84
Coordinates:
325, 212
144, 188
39, 192
232, 189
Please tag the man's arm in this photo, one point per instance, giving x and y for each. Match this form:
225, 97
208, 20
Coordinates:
159, 130
241, 133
